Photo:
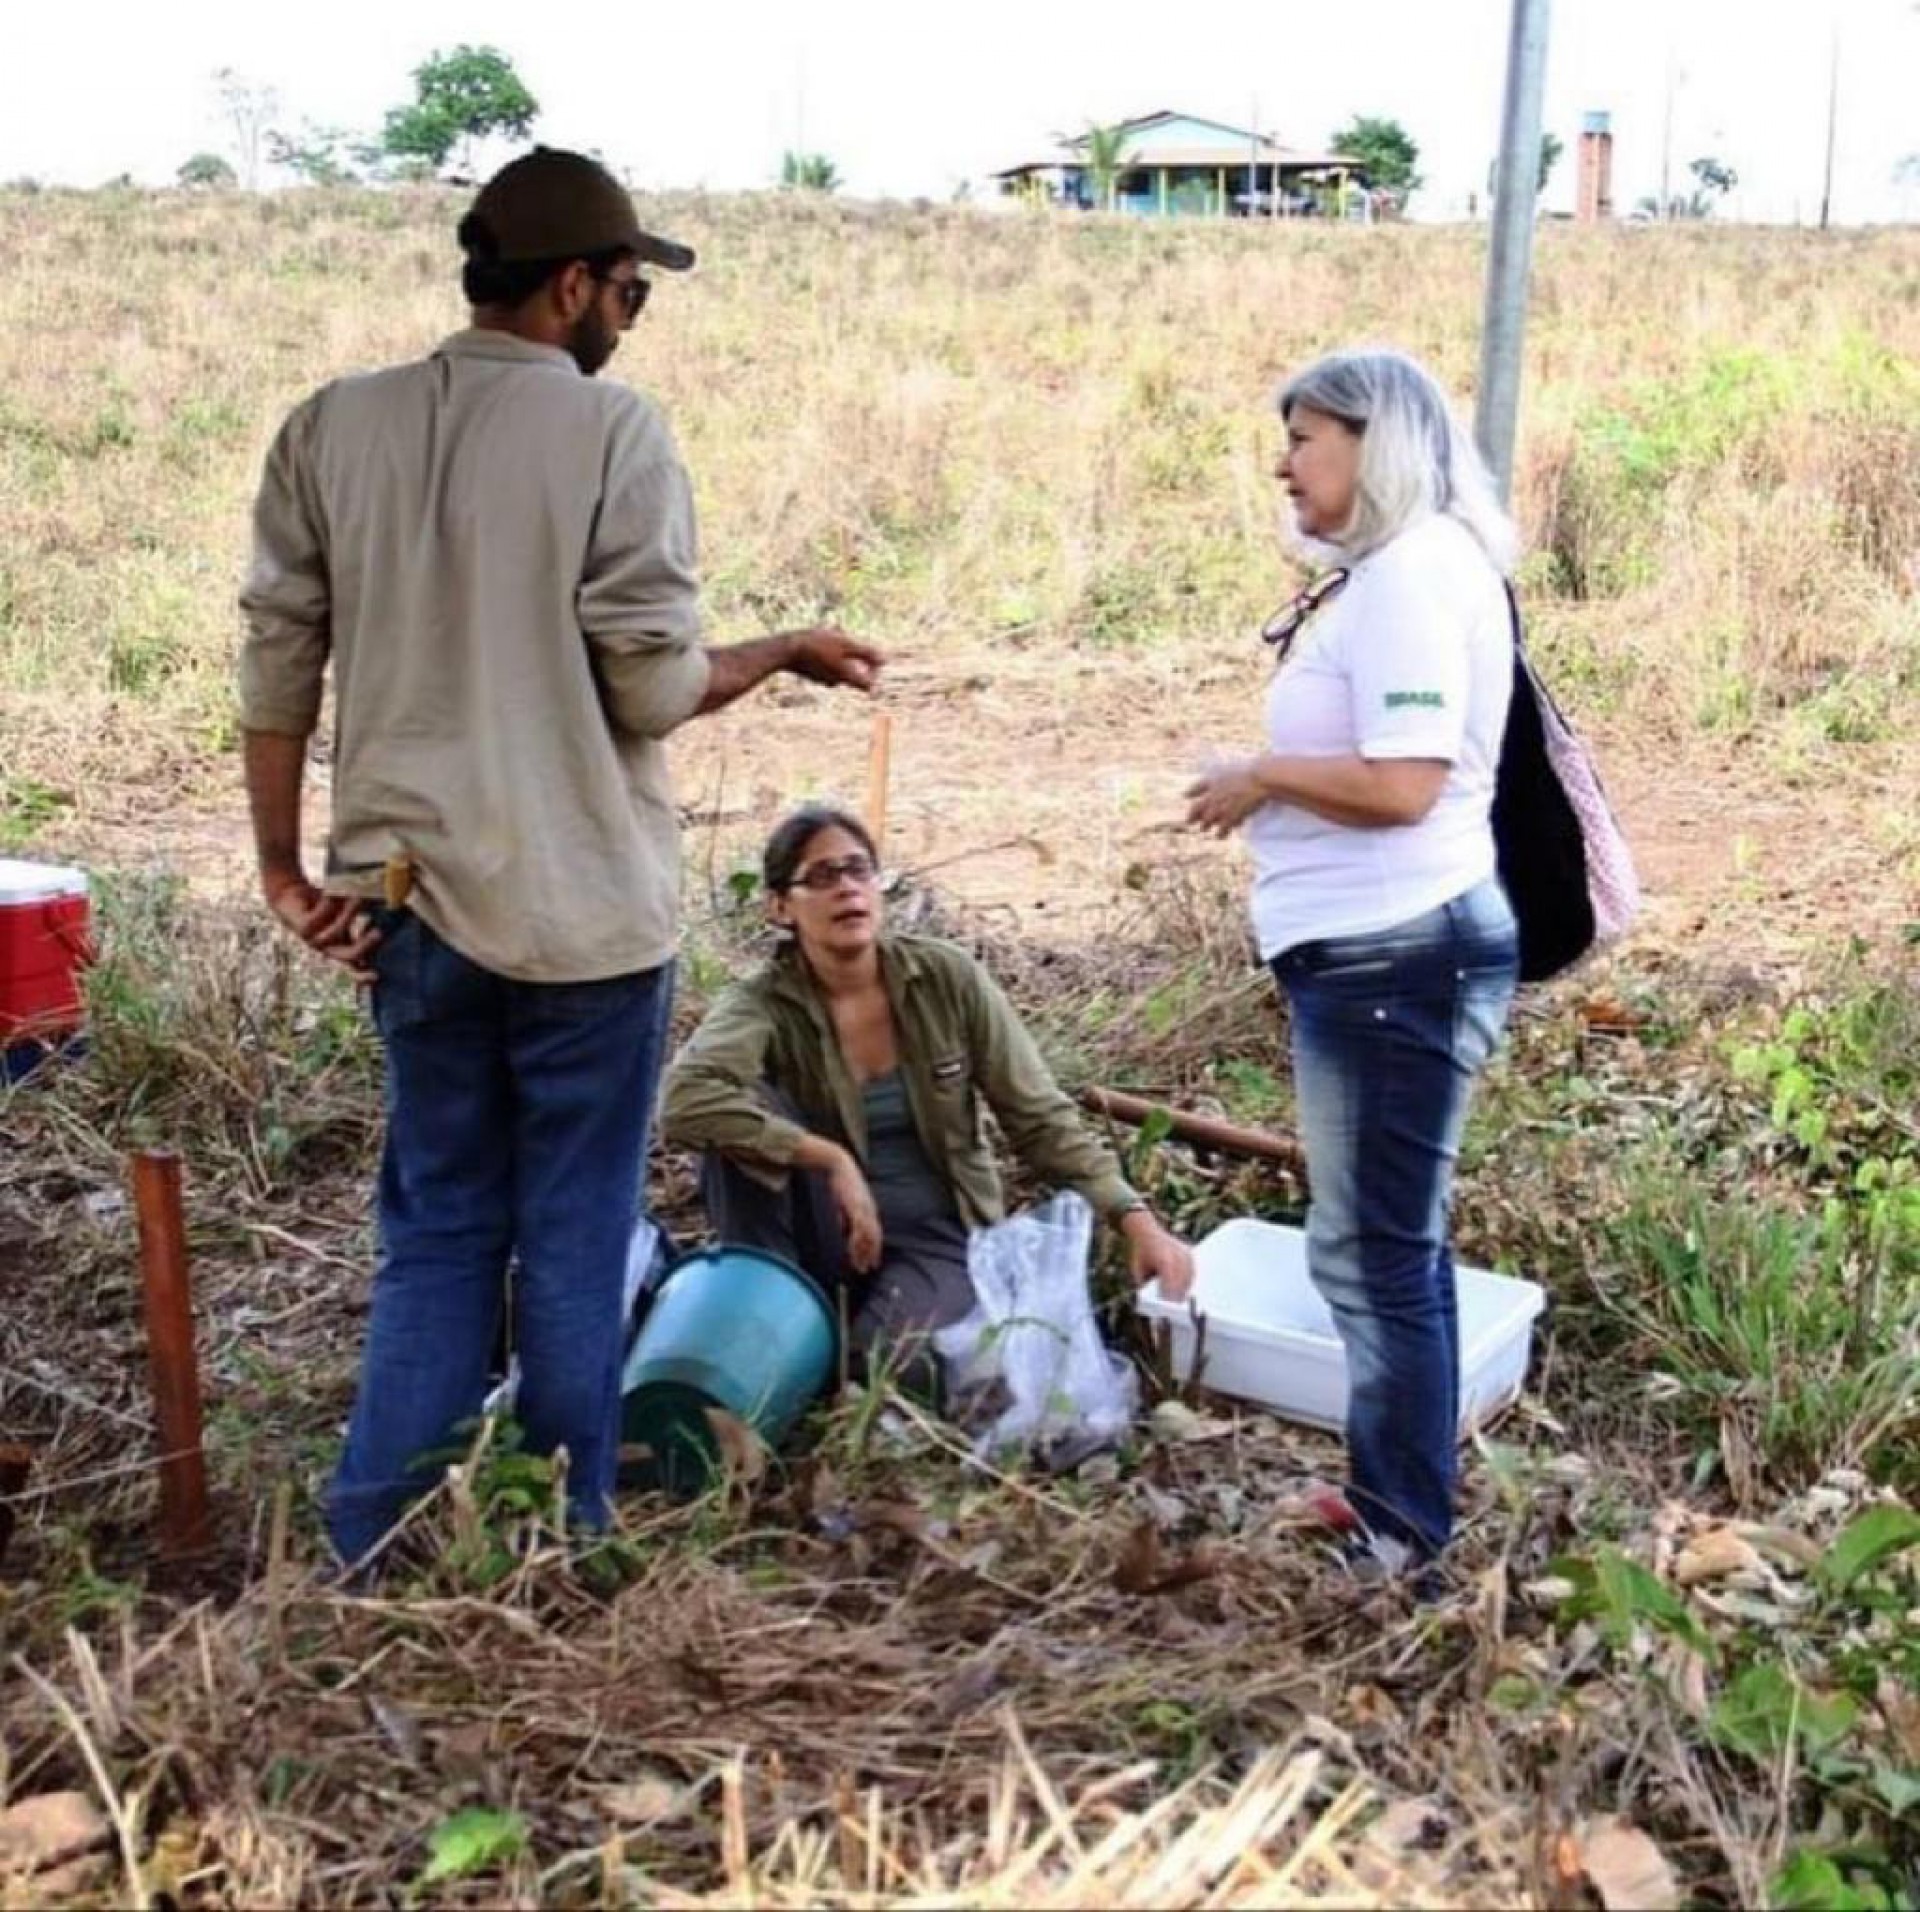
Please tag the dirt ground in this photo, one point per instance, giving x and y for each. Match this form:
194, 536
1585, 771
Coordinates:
1047, 788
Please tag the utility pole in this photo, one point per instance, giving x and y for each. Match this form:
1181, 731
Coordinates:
1253, 161
800, 102
1833, 118
1510, 252
1666, 146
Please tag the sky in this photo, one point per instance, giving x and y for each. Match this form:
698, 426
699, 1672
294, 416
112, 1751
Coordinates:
912, 99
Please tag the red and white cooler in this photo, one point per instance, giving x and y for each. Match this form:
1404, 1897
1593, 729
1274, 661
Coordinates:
46, 940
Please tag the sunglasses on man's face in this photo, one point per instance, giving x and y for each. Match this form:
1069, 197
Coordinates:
1285, 624
633, 295
828, 873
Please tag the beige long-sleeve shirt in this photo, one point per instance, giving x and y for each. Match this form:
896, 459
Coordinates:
497, 555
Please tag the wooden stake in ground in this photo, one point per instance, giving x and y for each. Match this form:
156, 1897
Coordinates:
879, 759
175, 1372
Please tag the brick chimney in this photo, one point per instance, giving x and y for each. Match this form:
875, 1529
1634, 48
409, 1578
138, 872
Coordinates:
1593, 190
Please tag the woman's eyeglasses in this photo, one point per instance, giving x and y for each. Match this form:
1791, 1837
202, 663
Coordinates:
1284, 625
828, 873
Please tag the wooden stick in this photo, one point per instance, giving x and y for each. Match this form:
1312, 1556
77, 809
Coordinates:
879, 755
170, 1356
1205, 1131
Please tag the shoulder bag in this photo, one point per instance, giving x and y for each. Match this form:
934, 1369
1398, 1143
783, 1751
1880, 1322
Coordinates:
1564, 862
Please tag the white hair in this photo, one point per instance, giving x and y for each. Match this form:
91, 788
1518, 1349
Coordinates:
1415, 456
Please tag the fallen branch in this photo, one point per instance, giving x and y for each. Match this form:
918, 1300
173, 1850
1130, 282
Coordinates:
1203, 1131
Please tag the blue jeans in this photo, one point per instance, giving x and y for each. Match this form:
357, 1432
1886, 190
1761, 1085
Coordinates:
517, 1118
1388, 1032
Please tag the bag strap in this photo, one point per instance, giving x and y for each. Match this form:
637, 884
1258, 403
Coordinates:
1522, 660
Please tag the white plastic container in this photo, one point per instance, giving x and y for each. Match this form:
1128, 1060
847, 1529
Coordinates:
1270, 1338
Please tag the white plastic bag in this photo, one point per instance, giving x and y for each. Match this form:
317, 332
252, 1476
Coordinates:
1032, 1330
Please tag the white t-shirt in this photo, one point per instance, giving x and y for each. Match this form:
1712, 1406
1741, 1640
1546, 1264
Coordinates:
1412, 658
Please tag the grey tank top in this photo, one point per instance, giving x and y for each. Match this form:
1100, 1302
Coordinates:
906, 1186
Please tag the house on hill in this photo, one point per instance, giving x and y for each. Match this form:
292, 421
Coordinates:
1174, 164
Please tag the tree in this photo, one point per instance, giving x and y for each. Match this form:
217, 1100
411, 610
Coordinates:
808, 172
1104, 153
208, 172
1550, 150
1715, 175
249, 108
1385, 151
459, 98
1716, 179
321, 155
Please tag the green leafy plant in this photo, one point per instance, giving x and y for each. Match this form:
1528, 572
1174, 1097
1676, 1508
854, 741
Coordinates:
1104, 153
475, 1840
1876, 1537
27, 806
1623, 1599
808, 172
502, 1498
1766, 1710
1812, 1700
1814, 1882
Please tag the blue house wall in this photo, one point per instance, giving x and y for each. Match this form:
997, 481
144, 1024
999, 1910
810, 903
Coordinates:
1201, 196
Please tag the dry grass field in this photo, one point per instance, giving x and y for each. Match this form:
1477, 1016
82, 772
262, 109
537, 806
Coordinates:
1029, 454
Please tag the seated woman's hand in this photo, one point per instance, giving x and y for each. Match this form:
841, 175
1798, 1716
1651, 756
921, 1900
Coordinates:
858, 1215
1156, 1254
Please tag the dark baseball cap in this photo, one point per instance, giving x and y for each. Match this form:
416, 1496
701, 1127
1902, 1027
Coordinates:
550, 204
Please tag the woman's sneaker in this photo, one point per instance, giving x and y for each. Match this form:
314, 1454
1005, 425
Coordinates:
1379, 1560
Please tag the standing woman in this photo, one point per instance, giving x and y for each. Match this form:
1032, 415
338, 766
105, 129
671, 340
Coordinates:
1375, 898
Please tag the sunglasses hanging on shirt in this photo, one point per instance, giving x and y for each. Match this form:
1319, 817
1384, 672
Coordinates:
1284, 625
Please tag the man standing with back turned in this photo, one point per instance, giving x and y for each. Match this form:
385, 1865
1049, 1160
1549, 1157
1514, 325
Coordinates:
496, 550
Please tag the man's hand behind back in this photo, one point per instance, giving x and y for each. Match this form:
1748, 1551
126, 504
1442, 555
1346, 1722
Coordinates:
829, 656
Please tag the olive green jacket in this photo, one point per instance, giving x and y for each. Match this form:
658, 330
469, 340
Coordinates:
963, 1051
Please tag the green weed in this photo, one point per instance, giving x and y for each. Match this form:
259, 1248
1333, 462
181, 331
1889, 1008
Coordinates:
27, 807
1786, 1340
1808, 1701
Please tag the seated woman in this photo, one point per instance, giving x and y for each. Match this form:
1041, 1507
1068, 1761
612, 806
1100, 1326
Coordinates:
863, 1060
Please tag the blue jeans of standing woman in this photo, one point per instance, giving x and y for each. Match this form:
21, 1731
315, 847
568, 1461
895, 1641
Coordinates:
517, 1117
1388, 1031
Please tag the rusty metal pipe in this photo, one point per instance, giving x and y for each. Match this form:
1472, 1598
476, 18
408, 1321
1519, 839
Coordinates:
1203, 1131
175, 1374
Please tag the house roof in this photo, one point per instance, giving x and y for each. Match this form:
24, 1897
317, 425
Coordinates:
1143, 120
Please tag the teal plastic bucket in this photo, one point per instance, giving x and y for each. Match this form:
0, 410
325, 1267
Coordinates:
732, 1328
